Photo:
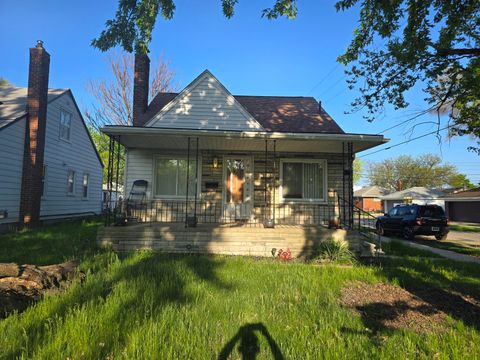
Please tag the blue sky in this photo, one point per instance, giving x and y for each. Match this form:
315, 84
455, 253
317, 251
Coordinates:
248, 54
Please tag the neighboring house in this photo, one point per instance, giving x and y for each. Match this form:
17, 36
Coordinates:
212, 157
49, 166
369, 199
414, 195
463, 205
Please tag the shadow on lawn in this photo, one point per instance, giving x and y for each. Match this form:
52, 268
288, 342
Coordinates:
458, 297
248, 343
133, 288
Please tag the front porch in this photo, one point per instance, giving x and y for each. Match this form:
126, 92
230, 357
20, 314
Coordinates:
231, 192
228, 239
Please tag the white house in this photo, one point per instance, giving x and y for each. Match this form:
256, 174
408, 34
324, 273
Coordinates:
415, 195
49, 166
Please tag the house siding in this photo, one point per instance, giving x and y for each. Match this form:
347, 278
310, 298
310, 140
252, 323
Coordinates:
12, 141
388, 204
207, 105
61, 156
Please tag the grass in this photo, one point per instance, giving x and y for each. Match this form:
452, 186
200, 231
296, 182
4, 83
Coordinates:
461, 227
159, 306
396, 248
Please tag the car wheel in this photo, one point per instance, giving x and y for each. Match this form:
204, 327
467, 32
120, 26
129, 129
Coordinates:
440, 237
408, 233
380, 229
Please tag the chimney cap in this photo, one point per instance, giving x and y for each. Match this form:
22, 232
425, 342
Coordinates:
39, 44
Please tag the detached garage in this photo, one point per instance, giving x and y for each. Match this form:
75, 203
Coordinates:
463, 206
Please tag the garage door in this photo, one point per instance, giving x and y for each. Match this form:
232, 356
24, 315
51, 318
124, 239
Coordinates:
464, 211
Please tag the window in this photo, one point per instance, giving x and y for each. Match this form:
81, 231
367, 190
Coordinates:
71, 182
303, 179
85, 181
65, 124
44, 181
393, 211
171, 177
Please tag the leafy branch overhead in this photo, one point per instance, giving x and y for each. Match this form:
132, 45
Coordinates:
397, 45
430, 42
134, 21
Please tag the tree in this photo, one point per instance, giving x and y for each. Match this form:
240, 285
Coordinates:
460, 181
406, 171
433, 42
357, 171
4, 82
114, 99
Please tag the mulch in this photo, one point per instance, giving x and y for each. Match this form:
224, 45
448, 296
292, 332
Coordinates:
384, 306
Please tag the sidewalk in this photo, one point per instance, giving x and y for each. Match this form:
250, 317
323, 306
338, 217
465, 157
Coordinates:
445, 253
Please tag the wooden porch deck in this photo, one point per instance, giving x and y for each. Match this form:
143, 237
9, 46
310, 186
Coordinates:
232, 239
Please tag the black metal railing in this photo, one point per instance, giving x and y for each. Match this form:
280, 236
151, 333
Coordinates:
213, 212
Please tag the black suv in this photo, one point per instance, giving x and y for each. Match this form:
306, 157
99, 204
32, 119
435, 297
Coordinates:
411, 220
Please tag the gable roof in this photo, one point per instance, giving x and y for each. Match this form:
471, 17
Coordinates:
205, 104
13, 107
417, 192
371, 191
13, 102
273, 113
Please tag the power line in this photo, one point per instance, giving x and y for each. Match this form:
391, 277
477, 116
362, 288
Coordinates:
324, 78
406, 141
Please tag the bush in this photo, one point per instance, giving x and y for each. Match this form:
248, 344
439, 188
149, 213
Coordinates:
333, 250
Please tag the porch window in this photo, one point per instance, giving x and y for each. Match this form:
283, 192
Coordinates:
303, 179
171, 177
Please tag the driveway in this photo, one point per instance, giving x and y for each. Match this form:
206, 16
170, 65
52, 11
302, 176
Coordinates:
466, 238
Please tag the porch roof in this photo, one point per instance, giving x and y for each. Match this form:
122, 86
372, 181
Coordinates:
164, 138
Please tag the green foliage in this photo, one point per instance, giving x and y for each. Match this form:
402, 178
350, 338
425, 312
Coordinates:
148, 305
357, 170
4, 82
101, 142
406, 171
333, 250
134, 21
401, 43
459, 181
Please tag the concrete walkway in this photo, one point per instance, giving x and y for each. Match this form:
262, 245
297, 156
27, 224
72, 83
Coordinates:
445, 253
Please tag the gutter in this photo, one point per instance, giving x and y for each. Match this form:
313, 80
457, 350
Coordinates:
151, 131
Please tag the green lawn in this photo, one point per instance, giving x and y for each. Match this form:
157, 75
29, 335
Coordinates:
463, 227
156, 306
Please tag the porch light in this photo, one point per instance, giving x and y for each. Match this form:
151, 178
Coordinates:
215, 162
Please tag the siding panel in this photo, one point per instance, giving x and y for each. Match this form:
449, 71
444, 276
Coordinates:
61, 156
11, 162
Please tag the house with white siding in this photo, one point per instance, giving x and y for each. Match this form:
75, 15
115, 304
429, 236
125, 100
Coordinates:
49, 166
228, 173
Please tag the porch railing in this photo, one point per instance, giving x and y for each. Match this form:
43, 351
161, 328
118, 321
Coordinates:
212, 212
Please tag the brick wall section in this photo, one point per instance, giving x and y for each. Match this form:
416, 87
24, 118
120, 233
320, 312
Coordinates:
30, 197
140, 88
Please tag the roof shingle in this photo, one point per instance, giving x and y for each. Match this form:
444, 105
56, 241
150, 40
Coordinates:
274, 113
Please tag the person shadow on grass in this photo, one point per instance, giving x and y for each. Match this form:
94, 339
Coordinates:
249, 346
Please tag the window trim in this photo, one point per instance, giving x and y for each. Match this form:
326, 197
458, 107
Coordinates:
69, 140
74, 181
324, 164
45, 187
88, 185
174, 157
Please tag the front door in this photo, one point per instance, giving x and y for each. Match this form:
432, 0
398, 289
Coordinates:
238, 188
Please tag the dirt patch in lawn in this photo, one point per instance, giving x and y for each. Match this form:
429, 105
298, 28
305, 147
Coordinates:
384, 306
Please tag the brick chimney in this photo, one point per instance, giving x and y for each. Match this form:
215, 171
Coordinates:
34, 135
140, 87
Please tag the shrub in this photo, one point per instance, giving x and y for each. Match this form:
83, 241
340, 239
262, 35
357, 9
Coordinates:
333, 250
